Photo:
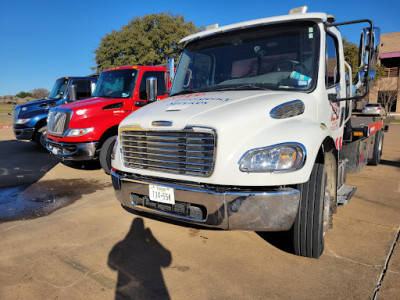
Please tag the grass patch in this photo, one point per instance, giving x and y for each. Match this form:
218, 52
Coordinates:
5, 109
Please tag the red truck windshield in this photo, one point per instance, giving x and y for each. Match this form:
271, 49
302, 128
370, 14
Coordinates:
116, 84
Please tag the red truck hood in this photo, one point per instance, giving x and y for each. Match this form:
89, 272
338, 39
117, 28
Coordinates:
92, 102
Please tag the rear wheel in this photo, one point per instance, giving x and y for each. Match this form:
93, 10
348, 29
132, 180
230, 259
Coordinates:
40, 137
105, 154
314, 214
378, 146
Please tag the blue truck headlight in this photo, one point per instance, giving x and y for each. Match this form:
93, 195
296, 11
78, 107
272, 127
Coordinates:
277, 158
79, 132
22, 121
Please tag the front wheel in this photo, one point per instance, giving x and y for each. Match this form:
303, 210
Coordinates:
40, 137
105, 154
313, 216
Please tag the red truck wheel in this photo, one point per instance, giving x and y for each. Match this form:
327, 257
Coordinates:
105, 154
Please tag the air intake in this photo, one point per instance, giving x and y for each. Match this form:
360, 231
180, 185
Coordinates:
288, 110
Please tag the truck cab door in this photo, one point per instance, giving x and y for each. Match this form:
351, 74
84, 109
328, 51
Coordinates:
161, 88
83, 88
335, 84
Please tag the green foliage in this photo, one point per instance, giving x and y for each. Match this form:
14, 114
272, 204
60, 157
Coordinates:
23, 94
351, 55
380, 72
144, 41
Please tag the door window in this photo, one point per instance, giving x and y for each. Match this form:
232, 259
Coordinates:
161, 89
332, 75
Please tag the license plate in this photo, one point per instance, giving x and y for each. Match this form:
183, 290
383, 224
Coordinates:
161, 194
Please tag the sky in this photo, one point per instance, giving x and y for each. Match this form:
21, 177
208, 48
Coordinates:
42, 40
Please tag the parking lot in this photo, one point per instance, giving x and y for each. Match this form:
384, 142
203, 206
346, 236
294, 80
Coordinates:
73, 240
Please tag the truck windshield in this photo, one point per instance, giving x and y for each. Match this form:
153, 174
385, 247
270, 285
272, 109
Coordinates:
58, 89
116, 84
269, 57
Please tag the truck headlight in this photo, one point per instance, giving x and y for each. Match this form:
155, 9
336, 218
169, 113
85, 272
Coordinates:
79, 132
281, 158
22, 121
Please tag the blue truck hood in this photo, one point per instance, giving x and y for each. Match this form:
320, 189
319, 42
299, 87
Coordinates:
36, 107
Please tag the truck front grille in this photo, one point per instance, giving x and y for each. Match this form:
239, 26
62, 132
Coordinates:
187, 152
57, 122
15, 114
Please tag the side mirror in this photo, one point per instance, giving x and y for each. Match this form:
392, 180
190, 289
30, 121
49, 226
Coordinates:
72, 95
151, 89
369, 48
171, 69
363, 81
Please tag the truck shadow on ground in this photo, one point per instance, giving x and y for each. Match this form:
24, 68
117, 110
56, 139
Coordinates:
23, 195
390, 163
82, 165
23, 163
280, 240
138, 259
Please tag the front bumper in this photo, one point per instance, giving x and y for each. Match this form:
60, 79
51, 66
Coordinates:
23, 133
257, 211
73, 151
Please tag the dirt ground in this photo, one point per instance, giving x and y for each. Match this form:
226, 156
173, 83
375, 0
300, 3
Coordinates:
91, 248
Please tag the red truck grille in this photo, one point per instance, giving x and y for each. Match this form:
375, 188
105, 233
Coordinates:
188, 152
57, 122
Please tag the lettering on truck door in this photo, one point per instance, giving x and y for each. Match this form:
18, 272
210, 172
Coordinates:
334, 80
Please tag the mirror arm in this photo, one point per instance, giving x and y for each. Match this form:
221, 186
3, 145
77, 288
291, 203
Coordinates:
333, 98
367, 75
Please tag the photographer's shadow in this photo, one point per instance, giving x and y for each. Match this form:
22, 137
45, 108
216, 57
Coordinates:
139, 259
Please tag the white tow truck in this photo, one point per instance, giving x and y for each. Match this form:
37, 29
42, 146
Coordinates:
257, 133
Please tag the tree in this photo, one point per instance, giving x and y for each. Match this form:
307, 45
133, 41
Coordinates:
387, 95
144, 41
23, 94
351, 55
40, 93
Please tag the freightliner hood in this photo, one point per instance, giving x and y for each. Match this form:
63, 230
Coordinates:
215, 109
242, 122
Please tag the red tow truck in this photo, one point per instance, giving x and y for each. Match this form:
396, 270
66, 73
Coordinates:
86, 130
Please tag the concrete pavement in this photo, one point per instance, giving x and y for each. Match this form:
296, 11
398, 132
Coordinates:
94, 249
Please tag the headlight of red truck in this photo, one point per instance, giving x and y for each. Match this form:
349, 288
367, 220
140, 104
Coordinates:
79, 132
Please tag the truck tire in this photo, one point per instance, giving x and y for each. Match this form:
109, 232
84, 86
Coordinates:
378, 146
40, 137
105, 154
313, 216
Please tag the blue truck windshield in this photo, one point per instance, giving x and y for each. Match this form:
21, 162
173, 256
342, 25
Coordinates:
274, 57
116, 84
59, 89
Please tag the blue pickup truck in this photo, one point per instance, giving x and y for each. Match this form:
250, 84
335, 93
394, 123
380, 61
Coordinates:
30, 119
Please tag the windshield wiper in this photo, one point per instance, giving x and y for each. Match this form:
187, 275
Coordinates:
189, 91
244, 87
